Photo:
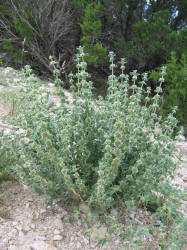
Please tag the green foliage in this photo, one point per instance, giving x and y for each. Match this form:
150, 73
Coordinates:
102, 154
23, 24
125, 47
13, 54
91, 29
23, 28
6, 156
176, 88
154, 39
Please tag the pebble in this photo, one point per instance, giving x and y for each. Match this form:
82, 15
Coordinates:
33, 226
181, 138
57, 223
19, 227
56, 232
41, 238
57, 237
27, 205
185, 178
78, 245
42, 211
40, 245
26, 229
98, 232
21, 234
5, 241
86, 241
79, 223
14, 223
14, 232
36, 215
12, 247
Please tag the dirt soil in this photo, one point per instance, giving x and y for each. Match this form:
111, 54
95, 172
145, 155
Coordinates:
28, 223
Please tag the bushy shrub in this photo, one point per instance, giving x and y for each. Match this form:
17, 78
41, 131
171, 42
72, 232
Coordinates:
104, 152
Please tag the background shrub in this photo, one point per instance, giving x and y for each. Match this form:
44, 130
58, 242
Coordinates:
101, 153
34, 30
175, 91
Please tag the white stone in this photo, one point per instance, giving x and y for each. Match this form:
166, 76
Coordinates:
57, 237
33, 226
86, 241
56, 231
21, 234
40, 238
27, 205
184, 178
42, 211
98, 232
78, 245
14, 223
12, 247
26, 229
40, 245
181, 138
14, 232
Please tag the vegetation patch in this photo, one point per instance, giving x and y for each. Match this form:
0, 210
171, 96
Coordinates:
118, 151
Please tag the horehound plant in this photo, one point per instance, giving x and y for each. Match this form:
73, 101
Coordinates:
118, 150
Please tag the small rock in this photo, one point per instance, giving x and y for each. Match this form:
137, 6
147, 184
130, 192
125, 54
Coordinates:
114, 212
78, 245
14, 223
25, 248
42, 211
79, 223
33, 226
56, 231
93, 246
12, 247
27, 205
86, 241
63, 214
57, 237
117, 242
79, 234
40, 245
5, 240
98, 232
14, 232
181, 138
57, 222
41, 238
51, 84
185, 178
26, 229
36, 215
21, 234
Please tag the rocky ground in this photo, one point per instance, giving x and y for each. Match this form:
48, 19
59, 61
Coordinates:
27, 223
